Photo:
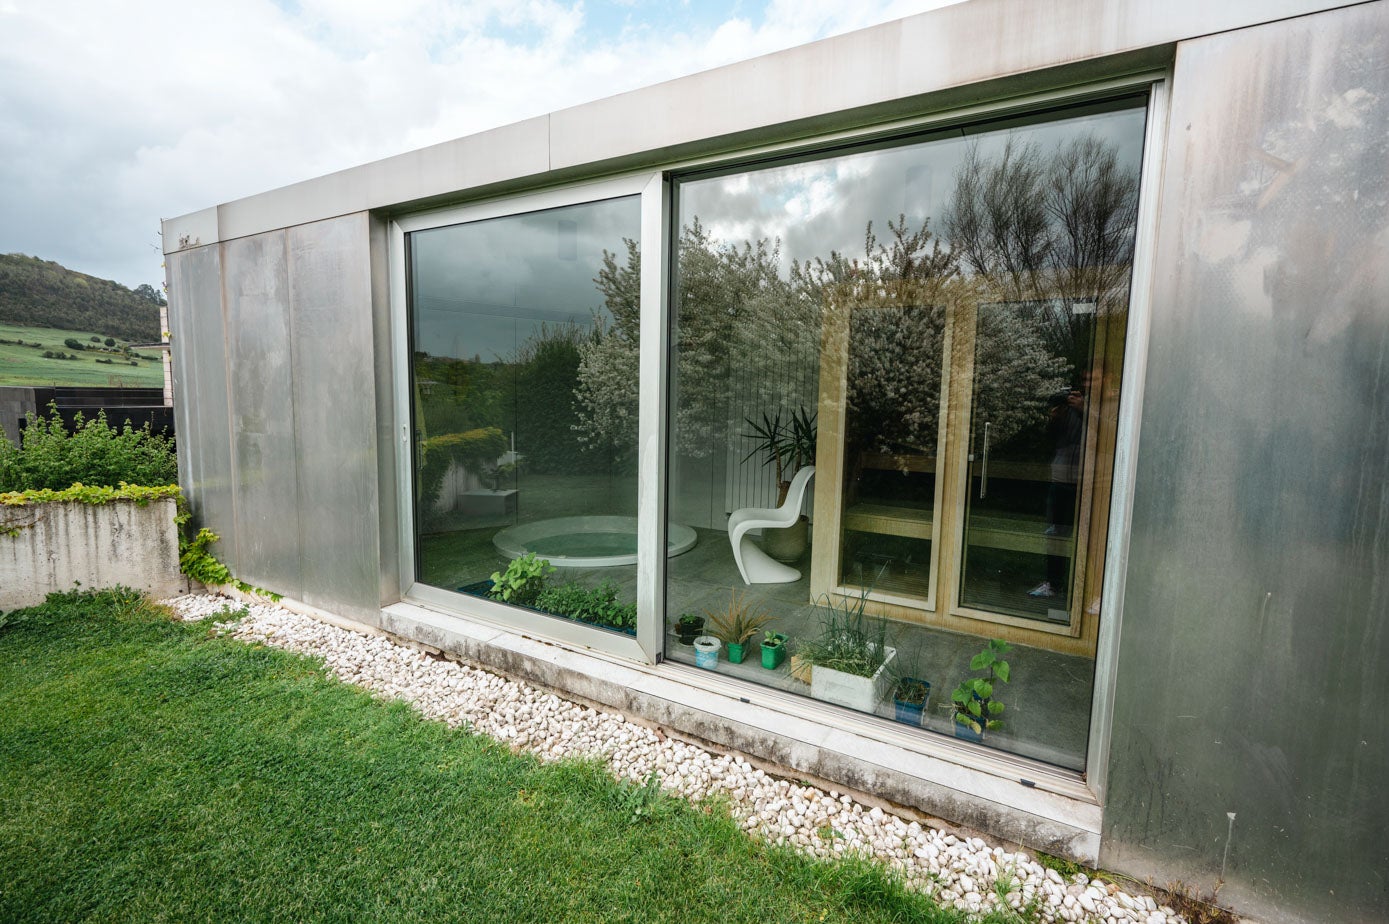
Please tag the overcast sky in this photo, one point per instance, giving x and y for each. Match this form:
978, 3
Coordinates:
116, 115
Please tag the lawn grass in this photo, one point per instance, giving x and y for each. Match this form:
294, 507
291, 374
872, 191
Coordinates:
152, 772
26, 365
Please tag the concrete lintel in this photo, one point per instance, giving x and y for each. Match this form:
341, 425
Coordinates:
1001, 807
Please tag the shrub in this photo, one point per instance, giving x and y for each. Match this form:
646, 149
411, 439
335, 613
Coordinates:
95, 453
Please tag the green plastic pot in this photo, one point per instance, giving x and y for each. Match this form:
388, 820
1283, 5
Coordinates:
773, 655
736, 652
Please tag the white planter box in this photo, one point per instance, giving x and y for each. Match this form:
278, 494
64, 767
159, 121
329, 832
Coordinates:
861, 693
485, 502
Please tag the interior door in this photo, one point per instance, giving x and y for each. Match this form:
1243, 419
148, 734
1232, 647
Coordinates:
1022, 526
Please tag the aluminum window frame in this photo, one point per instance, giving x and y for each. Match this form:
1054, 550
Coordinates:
1086, 785
642, 649
657, 216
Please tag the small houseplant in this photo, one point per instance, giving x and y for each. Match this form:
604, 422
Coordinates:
688, 628
735, 625
909, 696
706, 652
788, 446
773, 649
976, 710
851, 656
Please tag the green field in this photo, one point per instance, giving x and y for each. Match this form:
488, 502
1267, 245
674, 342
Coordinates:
26, 365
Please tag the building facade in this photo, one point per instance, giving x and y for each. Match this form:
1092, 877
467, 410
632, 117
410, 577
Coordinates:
1031, 352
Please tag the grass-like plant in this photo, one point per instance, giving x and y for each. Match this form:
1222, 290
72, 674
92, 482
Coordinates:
738, 622
849, 639
155, 770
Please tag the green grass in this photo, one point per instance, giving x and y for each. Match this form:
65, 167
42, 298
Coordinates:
26, 365
152, 772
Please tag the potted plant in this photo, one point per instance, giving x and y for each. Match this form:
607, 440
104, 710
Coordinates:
852, 660
788, 446
706, 652
773, 650
976, 710
909, 696
736, 625
688, 628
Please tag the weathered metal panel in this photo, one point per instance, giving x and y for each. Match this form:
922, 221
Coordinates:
875, 74
335, 415
263, 434
387, 427
1251, 738
201, 406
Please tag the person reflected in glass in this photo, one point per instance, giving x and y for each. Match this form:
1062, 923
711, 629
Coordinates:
1066, 430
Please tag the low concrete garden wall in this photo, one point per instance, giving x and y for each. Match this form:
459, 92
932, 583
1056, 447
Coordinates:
48, 546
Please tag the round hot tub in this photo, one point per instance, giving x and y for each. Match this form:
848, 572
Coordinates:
586, 542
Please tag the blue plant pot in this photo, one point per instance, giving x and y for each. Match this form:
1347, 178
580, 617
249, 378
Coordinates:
911, 713
965, 733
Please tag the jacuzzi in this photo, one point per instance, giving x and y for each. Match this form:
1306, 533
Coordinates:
586, 542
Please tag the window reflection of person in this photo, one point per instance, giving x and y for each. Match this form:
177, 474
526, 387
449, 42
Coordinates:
1066, 430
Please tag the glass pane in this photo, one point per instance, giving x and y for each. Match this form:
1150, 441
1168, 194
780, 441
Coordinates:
1028, 419
840, 313
892, 428
517, 324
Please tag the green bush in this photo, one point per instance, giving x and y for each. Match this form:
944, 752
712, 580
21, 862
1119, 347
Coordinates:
95, 453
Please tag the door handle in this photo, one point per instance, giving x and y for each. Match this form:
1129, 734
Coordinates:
984, 466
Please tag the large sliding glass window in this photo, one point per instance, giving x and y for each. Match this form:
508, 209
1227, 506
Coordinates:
894, 385
524, 338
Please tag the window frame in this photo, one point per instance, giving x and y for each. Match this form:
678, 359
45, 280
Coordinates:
500, 615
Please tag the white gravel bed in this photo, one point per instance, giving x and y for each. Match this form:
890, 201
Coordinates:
963, 872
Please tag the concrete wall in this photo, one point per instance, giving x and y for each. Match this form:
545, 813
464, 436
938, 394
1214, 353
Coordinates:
54, 546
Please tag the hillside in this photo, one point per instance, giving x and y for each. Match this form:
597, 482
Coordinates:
40, 293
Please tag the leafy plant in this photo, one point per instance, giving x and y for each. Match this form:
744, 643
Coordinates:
773, 639
95, 453
849, 640
738, 623
788, 446
975, 706
598, 605
523, 580
197, 561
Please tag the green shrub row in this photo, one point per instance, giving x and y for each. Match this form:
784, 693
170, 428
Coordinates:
95, 453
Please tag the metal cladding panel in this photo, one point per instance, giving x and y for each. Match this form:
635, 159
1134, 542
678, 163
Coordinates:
1251, 738
335, 415
263, 433
203, 424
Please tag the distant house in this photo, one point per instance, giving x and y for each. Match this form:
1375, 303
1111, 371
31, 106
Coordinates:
1079, 310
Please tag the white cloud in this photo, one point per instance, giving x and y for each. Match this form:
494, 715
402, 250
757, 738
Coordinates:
115, 115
